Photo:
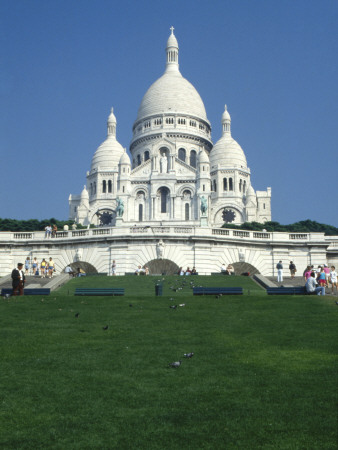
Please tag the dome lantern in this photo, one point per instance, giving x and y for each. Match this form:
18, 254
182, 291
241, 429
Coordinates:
172, 52
111, 124
226, 122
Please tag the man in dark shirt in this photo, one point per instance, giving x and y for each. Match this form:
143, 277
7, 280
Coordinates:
18, 280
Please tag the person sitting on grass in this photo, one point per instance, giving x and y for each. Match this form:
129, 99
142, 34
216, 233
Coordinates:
311, 286
80, 272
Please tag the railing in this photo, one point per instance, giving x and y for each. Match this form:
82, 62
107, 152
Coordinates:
183, 230
160, 229
241, 233
221, 231
78, 233
23, 235
261, 235
101, 231
298, 236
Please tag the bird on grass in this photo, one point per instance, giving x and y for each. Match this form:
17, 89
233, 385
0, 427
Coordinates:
105, 328
173, 306
182, 304
175, 364
77, 315
189, 355
336, 303
131, 305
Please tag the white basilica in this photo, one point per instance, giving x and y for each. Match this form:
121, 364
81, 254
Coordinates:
175, 174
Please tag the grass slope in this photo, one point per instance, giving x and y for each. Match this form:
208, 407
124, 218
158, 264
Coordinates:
264, 372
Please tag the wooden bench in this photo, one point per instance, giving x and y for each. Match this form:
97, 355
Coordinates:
293, 290
27, 291
99, 291
217, 291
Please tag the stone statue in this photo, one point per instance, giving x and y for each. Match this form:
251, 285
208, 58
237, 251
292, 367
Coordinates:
204, 205
78, 255
160, 249
164, 163
120, 207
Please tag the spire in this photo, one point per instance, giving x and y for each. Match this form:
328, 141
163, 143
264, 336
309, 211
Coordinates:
172, 52
226, 122
111, 124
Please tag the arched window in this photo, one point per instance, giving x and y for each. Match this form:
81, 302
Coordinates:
123, 189
91, 188
140, 213
225, 184
193, 158
109, 187
203, 187
240, 185
138, 160
104, 186
146, 155
181, 154
211, 187
215, 186
94, 187
231, 188
187, 211
164, 199
244, 186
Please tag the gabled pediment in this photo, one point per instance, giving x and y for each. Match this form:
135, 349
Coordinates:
183, 168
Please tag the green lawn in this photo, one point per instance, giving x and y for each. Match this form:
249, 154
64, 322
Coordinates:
263, 374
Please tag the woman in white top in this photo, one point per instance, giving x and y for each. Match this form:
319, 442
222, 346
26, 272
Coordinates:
333, 278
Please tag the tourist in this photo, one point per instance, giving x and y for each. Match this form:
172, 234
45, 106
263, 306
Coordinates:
311, 286
279, 268
80, 272
292, 269
333, 278
43, 267
180, 271
230, 270
327, 274
139, 271
18, 280
113, 268
307, 273
48, 231
146, 270
70, 272
188, 271
35, 265
51, 267
194, 271
54, 230
27, 265
321, 279
223, 269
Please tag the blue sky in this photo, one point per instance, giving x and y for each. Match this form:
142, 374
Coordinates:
63, 64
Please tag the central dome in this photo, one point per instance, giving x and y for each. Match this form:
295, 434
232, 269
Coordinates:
172, 93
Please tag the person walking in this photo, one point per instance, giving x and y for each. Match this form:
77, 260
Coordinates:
279, 268
18, 280
27, 265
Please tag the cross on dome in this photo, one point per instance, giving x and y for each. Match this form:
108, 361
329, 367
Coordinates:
172, 29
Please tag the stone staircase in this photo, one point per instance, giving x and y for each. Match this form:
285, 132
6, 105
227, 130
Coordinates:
38, 282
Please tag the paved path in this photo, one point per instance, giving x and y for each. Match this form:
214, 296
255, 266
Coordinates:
297, 281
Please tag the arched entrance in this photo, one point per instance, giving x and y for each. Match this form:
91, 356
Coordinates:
243, 267
162, 267
86, 267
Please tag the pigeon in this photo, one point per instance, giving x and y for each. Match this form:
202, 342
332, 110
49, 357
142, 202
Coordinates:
175, 364
336, 303
171, 299
173, 306
105, 328
182, 304
131, 305
77, 315
189, 355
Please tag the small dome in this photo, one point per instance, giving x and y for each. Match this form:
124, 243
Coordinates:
84, 194
108, 154
203, 157
172, 41
226, 115
227, 153
111, 118
125, 158
250, 192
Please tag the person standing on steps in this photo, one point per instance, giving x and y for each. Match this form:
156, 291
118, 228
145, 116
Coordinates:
279, 268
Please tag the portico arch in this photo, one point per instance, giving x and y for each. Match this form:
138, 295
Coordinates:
162, 267
83, 265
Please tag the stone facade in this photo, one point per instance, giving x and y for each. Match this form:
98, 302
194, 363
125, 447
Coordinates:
174, 166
